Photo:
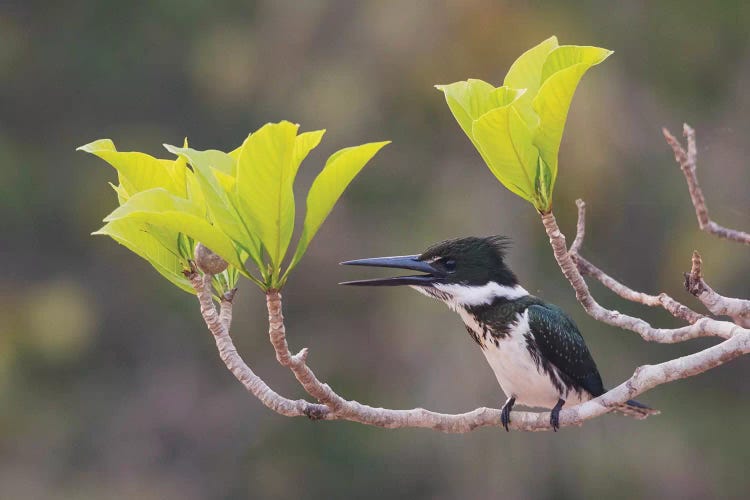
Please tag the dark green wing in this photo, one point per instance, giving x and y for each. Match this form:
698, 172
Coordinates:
560, 343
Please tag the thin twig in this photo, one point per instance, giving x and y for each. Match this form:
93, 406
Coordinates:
704, 327
687, 162
575, 247
674, 307
737, 309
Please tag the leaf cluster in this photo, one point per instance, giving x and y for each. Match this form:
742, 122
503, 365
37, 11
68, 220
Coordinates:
517, 128
238, 204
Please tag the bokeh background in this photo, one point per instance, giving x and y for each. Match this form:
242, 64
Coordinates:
110, 386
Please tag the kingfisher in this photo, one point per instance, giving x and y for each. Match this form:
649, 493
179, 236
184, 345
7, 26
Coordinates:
534, 348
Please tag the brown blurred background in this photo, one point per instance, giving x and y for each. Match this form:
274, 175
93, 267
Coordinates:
110, 385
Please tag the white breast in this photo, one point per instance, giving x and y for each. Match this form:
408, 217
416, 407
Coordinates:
515, 369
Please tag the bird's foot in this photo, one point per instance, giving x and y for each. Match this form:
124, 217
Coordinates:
505, 413
554, 416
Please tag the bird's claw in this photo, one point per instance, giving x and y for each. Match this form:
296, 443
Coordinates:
505, 413
554, 415
554, 420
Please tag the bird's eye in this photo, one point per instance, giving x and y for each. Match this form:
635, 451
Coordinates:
449, 265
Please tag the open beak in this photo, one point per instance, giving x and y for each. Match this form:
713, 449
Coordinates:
411, 262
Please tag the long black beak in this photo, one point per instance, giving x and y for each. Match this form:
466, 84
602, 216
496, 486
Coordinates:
411, 262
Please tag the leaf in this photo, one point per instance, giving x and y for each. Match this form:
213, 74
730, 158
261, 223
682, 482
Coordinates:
526, 73
179, 171
222, 206
562, 72
518, 129
154, 200
340, 169
132, 234
193, 191
173, 214
469, 100
206, 160
568, 55
303, 144
227, 182
543, 186
235, 153
265, 174
185, 247
521, 137
122, 195
507, 148
137, 171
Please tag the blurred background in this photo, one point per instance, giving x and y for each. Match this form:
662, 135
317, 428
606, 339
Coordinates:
110, 384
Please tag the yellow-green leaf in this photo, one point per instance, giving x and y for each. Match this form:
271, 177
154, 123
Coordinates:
180, 172
563, 70
265, 174
468, 100
122, 195
173, 214
526, 73
303, 144
327, 188
506, 145
518, 134
136, 171
227, 182
543, 185
222, 205
134, 236
569, 55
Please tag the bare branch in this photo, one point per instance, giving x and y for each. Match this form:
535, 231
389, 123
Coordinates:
704, 327
575, 248
663, 300
297, 363
687, 161
737, 309
644, 378
649, 376
228, 353
674, 307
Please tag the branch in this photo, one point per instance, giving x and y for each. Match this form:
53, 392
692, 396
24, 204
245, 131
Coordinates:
643, 379
674, 307
228, 353
686, 159
703, 327
296, 363
649, 376
573, 266
737, 309
225, 313
575, 247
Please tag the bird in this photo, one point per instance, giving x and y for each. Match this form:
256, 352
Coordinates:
534, 348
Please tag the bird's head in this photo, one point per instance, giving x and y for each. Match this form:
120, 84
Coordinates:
462, 271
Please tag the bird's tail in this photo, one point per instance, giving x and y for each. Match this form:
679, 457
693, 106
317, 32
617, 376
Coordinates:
637, 410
